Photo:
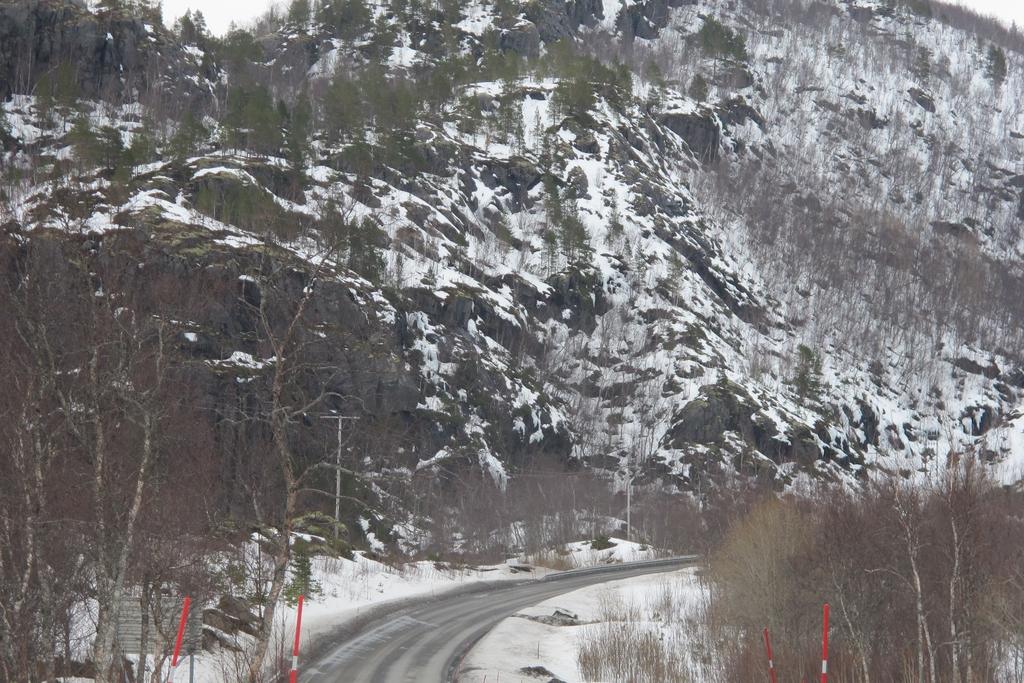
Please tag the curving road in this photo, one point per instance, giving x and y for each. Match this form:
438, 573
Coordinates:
425, 640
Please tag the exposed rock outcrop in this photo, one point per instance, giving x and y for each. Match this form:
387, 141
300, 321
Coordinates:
111, 54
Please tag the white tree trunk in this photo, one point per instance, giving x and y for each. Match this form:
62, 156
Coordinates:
954, 580
110, 598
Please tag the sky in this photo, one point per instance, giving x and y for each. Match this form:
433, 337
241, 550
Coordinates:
1007, 10
221, 13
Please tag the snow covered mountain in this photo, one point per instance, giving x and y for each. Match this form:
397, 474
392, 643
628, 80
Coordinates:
773, 237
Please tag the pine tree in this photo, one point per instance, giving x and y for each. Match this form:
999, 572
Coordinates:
298, 14
191, 29
808, 380
552, 201
363, 256
657, 85
344, 108
698, 88
143, 145
676, 275
58, 91
239, 50
85, 141
112, 150
187, 138
299, 131
550, 239
510, 113
302, 582
151, 10
6, 136
252, 121
518, 132
922, 66
720, 42
393, 106
995, 68
573, 96
573, 237
349, 18
297, 138
615, 227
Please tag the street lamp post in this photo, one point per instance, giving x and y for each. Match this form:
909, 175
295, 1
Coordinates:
337, 471
629, 497
629, 505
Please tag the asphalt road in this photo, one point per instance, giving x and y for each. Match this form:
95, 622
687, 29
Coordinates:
425, 640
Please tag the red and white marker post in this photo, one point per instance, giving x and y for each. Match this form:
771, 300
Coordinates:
771, 660
294, 676
824, 646
181, 636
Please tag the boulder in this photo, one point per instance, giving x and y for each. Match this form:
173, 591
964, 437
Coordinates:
221, 621
726, 408
580, 292
645, 18
701, 131
980, 419
923, 99
214, 639
115, 54
862, 15
719, 408
736, 111
734, 76
540, 673
551, 19
517, 175
556, 20
239, 612
559, 617
869, 423
868, 118
951, 228
522, 39
974, 368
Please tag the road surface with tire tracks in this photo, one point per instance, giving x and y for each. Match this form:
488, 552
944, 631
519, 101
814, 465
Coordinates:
424, 640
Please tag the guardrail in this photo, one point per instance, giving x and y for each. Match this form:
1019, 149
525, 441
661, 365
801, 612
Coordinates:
679, 560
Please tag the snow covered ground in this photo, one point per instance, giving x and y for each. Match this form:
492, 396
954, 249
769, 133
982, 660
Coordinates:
550, 634
583, 554
349, 588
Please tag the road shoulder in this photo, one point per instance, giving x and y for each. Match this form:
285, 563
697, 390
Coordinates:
542, 642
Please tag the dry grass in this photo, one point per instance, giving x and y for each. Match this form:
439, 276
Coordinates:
634, 644
665, 605
630, 652
613, 607
558, 559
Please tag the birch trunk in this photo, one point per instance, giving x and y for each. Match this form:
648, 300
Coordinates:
140, 670
954, 579
109, 602
924, 638
287, 350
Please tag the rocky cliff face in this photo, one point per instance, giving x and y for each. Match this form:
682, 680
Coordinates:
113, 54
540, 275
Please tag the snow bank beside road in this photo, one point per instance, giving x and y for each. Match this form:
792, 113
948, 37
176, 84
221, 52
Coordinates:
350, 588
582, 554
546, 639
